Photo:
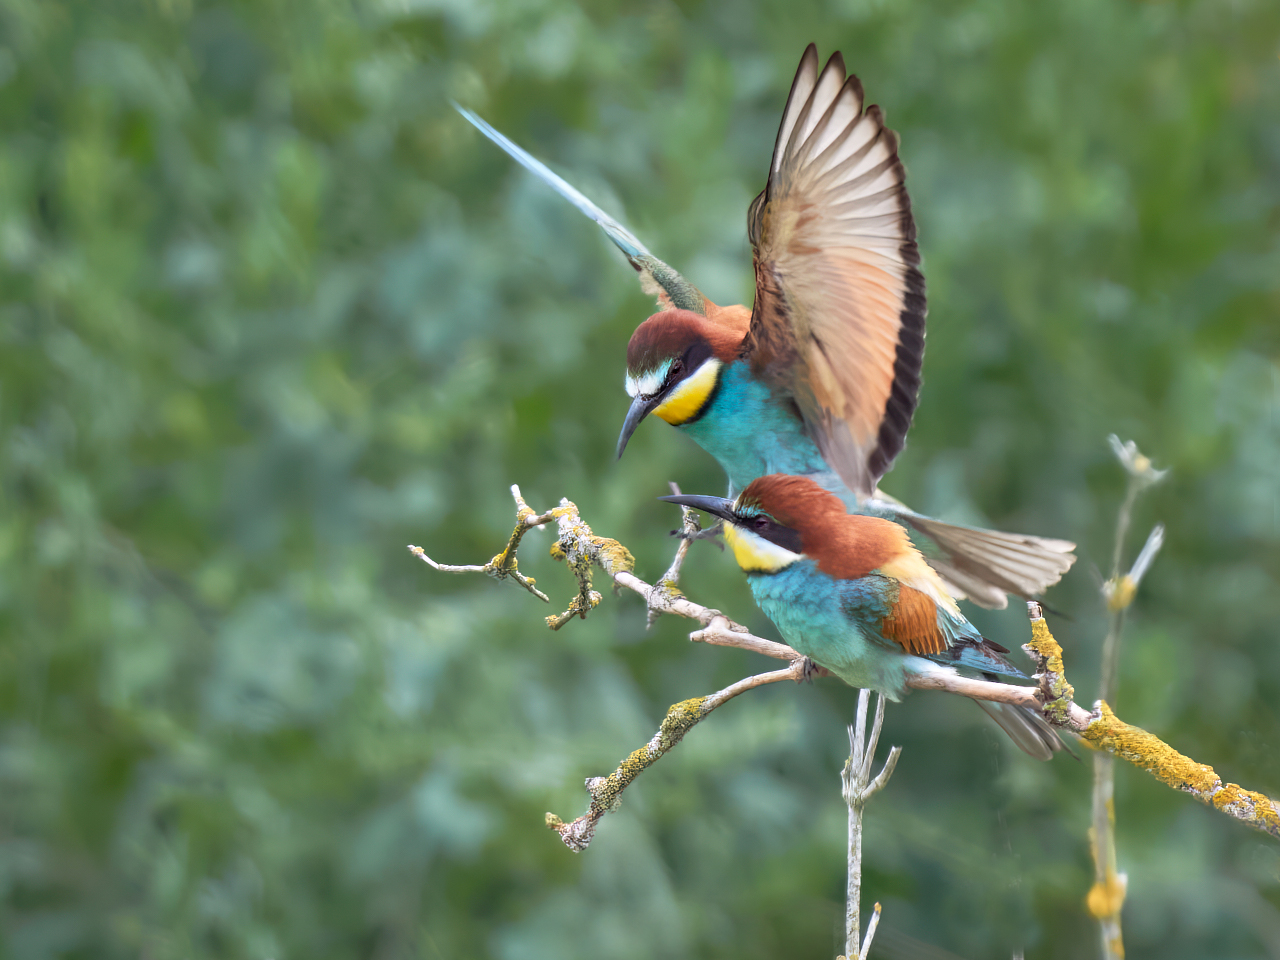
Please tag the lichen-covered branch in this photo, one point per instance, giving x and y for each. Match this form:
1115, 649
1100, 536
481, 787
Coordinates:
606, 792
1147, 751
582, 550
1105, 731
1053, 695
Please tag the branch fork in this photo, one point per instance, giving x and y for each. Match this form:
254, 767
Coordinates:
859, 787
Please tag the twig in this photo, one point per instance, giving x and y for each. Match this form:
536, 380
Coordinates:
871, 932
1053, 697
606, 792
860, 787
669, 582
504, 564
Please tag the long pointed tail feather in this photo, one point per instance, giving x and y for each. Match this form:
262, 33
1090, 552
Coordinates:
1029, 731
656, 277
620, 235
978, 653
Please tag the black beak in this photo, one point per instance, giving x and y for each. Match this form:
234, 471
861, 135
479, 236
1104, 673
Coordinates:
716, 506
640, 408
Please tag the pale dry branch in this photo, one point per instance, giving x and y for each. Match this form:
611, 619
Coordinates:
859, 787
669, 582
503, 565
723, 632
871, 932
1053, 696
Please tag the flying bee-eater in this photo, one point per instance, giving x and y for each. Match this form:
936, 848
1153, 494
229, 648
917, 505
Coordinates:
854, 595
820, 378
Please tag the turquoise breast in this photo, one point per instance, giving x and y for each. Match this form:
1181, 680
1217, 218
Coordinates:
836, 624
751, 433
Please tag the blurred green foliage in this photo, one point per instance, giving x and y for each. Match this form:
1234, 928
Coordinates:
271, 310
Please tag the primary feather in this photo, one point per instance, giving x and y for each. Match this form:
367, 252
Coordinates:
839, 315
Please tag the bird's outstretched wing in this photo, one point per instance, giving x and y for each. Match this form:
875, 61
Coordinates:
658, 279
838, 319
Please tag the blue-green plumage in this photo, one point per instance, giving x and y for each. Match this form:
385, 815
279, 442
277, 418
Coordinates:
839, 625
836, 624
745, 427
753, 432
852, 594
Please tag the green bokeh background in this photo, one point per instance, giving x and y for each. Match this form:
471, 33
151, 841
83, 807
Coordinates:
271, 311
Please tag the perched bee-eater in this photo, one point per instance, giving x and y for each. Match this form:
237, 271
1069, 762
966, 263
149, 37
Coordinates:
820, 378
855, 596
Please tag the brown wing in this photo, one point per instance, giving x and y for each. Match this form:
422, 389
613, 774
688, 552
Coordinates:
913, 624
838, 320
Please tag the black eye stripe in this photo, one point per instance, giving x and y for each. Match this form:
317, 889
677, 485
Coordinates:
769, 529
677, 368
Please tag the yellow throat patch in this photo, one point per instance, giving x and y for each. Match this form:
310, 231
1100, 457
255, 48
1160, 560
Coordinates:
755, 554
687, 399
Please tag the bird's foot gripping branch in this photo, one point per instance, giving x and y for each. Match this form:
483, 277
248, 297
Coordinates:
1053, 695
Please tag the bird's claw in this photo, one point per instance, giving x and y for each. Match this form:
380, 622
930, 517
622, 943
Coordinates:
809, 670
711, 533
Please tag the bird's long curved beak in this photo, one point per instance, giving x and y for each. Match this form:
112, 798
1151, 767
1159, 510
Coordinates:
716, 506
640, 408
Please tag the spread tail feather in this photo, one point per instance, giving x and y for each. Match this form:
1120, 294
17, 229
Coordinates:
986, 564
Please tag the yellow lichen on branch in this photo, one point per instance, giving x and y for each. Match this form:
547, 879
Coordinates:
579, 548
1058, 695
606, 792
1103, 730
1106, 898
1108, 732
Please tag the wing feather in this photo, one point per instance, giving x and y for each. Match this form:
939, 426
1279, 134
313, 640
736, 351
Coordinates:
1015, 563
838, 321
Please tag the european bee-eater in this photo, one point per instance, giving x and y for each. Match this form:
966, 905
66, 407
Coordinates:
854, 595
821, 377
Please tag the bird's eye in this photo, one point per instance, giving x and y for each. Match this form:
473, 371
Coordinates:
761, 523
677, 367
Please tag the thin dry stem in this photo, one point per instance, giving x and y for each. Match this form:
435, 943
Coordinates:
1106, 897
669, 582
871, 933
860, 787
503, 565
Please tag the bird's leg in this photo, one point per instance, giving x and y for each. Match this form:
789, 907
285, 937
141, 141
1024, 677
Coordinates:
668, 586
712, 533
